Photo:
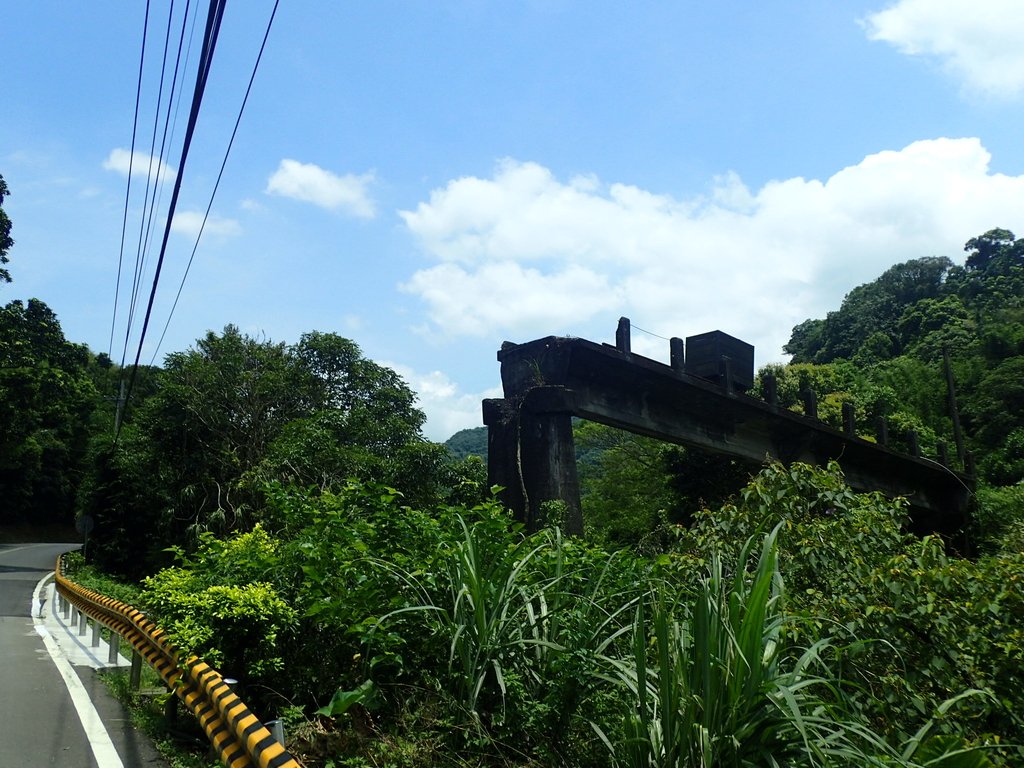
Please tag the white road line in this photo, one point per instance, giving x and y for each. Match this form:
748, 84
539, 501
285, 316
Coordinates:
99, 740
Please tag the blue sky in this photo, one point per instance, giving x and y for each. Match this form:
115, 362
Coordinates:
431, 179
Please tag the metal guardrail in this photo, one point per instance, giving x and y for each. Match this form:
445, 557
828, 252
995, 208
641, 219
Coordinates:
240, 739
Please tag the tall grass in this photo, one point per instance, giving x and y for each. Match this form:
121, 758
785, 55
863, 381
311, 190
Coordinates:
524, 624
711, 681
721, 688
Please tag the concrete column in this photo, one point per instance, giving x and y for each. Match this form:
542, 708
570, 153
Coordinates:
622, 336
547, 457
810, 398
882, 431
677, 354
502, 420
849, 419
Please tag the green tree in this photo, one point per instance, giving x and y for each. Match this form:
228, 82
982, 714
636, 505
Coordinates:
982, 250
46, 401
235, 413
874, 307
5, 233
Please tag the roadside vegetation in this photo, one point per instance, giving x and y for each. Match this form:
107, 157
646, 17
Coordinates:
277, 509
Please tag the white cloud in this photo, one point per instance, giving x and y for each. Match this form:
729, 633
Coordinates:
140, 164
477, 302
523, 254
447, 408
312, 184
189, 223
980, 43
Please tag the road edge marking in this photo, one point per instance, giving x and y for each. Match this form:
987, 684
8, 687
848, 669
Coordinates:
102, 746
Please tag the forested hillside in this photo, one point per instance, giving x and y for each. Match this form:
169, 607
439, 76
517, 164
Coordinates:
884, 348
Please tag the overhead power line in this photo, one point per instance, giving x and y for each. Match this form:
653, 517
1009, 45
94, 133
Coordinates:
128, 190
214, 18
154, 180
220, 174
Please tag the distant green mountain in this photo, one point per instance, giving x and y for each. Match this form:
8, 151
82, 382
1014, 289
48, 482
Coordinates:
468, 442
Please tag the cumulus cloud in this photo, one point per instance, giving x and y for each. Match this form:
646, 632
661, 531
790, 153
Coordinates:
139, 163
523, 253
189, 223
312, 184
447, 408
981, 44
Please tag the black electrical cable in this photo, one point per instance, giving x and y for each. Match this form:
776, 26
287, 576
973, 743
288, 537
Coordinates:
220, 175
128, 191
150, 180
213, 21
158, 186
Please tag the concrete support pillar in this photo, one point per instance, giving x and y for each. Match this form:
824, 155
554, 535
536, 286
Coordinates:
849, 420
502, 421
622, 336
547, 457
882, 431
770, 385
677, 354
810, 398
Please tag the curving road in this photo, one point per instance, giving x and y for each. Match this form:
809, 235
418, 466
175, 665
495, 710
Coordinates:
40, 725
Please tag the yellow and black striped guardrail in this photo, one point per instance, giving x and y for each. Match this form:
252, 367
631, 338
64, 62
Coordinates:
240, 739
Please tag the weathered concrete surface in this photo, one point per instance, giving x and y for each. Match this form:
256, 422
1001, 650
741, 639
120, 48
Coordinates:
549, 380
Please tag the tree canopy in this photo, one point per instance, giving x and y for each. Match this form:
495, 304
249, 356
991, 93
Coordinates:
235, 414
47, 398
6, 241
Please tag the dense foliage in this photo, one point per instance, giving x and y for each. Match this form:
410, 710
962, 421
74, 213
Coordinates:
235, 413
47, 399
797, 623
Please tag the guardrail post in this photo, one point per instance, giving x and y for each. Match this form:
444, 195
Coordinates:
83, 624
95, 634
171, 708
277, 730
115, 642
65, 606
135, 677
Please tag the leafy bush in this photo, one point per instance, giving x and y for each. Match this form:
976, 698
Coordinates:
215, 606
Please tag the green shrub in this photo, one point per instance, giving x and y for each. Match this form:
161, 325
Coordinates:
214, 606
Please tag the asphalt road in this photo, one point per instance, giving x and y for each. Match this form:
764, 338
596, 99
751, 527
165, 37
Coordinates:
39, 725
